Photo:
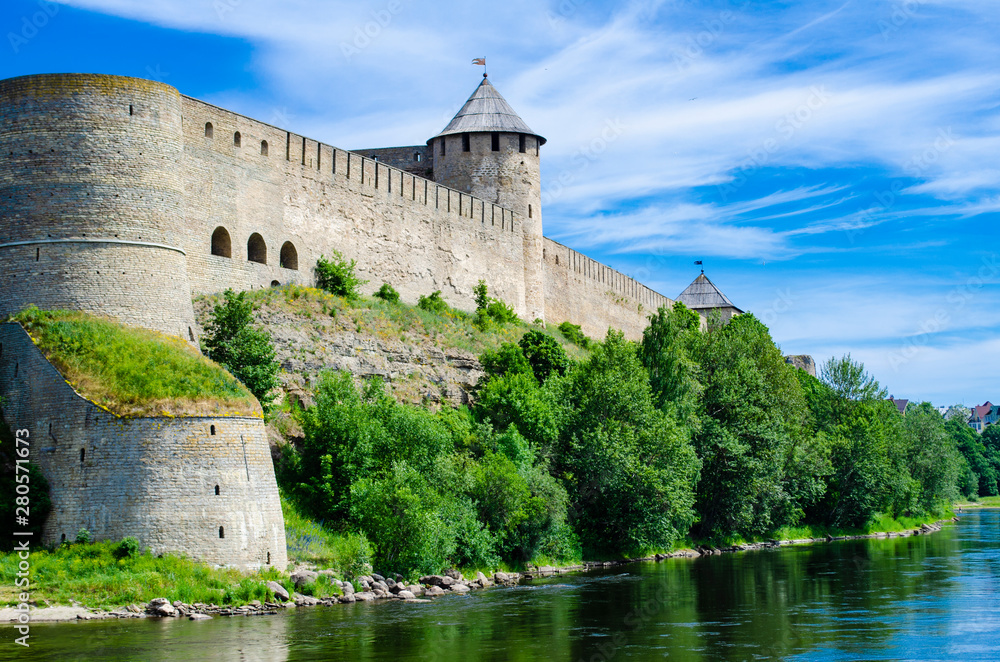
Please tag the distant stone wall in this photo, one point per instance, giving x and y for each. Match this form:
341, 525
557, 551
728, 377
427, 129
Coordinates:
595, 296
802, 362
413, 233
202, 486
414, 159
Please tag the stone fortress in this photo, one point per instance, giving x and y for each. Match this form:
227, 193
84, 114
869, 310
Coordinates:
123, 198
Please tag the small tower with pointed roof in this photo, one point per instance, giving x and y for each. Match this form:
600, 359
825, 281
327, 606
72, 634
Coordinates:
488, 151
705, 298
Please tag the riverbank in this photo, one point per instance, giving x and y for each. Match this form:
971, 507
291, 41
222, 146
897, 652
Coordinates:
375, 587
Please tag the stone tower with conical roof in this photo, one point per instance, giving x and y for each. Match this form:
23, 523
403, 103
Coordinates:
703, 297
488, 151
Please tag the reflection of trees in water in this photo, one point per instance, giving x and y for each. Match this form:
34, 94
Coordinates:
861, 598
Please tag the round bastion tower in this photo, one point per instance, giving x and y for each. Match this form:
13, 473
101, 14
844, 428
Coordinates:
91, 199
489, 152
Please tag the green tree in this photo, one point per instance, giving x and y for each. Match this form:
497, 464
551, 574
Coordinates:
671, 345
753, 413
337, 276
933, 459
983, 460
629, 468
246, 351
544, 354
850, 381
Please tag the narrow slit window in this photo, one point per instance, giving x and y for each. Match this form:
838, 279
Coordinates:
216, 490
466, 143
495, 141
263, 148
442, 146
83, 455
237, 139
416, 157
222, 532
131, 111
529, 211
521, 143
211, 430
209, 131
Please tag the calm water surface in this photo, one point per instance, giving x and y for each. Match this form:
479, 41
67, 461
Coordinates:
925, 598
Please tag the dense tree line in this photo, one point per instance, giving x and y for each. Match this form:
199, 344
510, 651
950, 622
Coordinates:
688, 433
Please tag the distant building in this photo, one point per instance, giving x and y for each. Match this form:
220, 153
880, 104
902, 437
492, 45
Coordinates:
705, 298
900, 404
983, 416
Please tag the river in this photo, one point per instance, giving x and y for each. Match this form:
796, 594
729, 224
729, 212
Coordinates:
934, 597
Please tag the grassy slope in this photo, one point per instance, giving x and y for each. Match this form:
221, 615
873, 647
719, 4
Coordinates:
134, 372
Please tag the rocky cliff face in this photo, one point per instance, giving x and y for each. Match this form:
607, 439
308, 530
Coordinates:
417, 365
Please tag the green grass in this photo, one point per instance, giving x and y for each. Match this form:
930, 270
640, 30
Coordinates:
134, 372
349, 555
982, 502
91, 574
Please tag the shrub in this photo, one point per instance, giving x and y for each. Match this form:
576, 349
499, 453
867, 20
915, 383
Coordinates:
247, 352
573, 334
433, 303
544, 354
388, 293
83, 537
127, 548
337, 276
489, 310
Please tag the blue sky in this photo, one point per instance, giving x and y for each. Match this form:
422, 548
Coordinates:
835, 164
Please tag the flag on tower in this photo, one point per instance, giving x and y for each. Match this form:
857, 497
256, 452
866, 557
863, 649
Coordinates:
480, 61
697, 261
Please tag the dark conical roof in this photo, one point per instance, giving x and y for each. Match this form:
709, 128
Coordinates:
703, 293
487, 110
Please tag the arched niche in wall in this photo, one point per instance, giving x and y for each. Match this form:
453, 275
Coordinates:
222, 243
289, 258
256, 249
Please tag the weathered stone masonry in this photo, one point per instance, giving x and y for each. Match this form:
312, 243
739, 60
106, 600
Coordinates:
204, 486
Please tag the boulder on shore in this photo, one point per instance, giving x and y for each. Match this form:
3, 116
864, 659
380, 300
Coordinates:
278, 590
302, 577
161, 607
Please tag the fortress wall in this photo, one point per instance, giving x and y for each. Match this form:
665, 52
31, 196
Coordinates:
403, 158
583, 291
91, 198
408, 231
152, 478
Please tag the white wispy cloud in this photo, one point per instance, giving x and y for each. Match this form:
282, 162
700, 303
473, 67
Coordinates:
854, 142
